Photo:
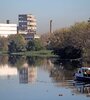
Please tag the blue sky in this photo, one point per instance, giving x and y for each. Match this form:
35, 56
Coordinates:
63, 12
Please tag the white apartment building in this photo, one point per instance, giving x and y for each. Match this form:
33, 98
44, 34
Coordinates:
7, 29
27, 24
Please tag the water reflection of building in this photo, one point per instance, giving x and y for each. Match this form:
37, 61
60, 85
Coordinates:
6, 70
27, 74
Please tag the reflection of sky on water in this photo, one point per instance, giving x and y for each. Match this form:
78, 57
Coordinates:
41, 81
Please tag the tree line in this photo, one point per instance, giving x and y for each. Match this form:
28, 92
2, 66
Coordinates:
70, 43
17, 43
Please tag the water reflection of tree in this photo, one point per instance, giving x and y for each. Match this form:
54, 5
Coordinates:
30, 60
68, 64
62, 75
86, 62
3, 60
16, 60
43, 63
63, 71
59, 74
35, 61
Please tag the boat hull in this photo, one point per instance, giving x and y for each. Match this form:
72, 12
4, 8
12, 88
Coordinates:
83, 74
83, 79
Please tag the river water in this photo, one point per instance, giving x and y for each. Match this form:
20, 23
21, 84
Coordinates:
27, 78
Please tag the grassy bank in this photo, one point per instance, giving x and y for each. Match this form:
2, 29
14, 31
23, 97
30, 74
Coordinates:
41, 53
3, 52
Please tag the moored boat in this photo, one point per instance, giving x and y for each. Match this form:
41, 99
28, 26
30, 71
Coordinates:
83, 74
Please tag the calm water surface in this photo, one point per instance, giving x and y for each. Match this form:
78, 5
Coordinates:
26, 78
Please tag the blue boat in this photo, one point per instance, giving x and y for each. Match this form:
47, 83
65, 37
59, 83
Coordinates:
83, 74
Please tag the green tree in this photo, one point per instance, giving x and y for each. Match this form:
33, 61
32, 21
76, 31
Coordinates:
38, 44
3, 44
17, 42
12, 47
30, 45
76, 37
45, 40
34, 45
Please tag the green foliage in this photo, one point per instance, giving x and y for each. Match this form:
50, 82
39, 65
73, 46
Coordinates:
38, 45
30, 45
12, 47
34, 45
76, 36
45, 40
16, 60
3, 44
17, 43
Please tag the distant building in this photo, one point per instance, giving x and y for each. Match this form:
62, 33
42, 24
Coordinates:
36, 36
28, 36
7, 29
31, 36
27, 24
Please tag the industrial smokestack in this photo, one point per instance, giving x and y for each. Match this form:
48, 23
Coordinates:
50, 26
89, 20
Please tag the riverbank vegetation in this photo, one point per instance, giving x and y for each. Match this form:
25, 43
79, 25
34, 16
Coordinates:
72, 42
17, 45
67, 43
40, 53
